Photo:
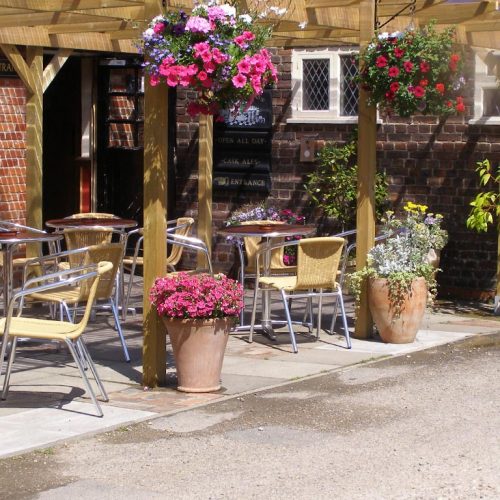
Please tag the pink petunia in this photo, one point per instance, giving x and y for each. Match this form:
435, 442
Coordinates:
248, 35
394, 87
202, 76
399, 53
159, 28
393, 71
240, 41
419, 92
197, 24
408, 66
425, 67
239, 81
218, 56
381, 62
154, 80
209, 67
244, 66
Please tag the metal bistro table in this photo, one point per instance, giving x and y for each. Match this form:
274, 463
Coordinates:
267, 232
8, 242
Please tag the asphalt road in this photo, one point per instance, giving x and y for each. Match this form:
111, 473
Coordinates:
422, 426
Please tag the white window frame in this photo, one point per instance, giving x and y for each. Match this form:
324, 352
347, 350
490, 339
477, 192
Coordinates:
332, 115
482, 82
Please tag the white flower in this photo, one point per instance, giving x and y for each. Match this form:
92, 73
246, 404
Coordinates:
229, 10
303, 25
148, 34
157, 19
246, 18
383, 36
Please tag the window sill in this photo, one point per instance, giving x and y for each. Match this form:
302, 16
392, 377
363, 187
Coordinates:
485, 120
324, 119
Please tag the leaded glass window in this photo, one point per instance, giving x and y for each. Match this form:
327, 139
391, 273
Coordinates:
348, 87
316, 84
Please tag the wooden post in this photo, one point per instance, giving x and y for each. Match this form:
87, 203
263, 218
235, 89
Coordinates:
497, 296
367, 147
155, 219
205, 165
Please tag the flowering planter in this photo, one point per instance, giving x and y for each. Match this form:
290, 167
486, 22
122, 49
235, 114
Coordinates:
199, 347
401, 329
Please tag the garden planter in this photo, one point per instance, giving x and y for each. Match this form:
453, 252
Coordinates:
199, 347
402, 329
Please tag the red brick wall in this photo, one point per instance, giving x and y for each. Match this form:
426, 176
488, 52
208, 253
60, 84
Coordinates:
427, 161
12, 150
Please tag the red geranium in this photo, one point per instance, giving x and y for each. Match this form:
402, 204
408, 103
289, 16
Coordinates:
381, 62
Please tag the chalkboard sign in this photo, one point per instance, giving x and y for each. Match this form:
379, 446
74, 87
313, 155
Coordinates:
6, 69
242, 147
259, 115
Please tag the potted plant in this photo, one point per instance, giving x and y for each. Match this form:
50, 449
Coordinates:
415, 71
198, 312
214, 50
399, 274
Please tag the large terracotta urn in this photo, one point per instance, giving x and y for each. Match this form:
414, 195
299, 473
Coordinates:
199, 346
394, 329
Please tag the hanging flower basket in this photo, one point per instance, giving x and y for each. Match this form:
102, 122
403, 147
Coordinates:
415, 71
216, 51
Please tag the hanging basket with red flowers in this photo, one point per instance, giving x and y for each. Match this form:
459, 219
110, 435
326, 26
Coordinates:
215, 50
414, 72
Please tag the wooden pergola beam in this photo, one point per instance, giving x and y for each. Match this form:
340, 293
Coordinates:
54, 66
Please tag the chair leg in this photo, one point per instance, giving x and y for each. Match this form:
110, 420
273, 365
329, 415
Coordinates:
90, 363
119, 328
320, 312
72, 349
129, 289
254, 311
334, 315
8, 370
344, 320
289, 321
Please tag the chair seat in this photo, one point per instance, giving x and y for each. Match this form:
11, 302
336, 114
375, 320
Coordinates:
41, 328
68, 294
287, 283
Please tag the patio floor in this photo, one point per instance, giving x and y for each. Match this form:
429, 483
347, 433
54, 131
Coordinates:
47, 394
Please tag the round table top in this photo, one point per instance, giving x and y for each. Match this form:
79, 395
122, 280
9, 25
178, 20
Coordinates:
117, 223
27, 237
268, 230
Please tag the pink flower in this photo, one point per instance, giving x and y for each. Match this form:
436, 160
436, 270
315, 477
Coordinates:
197, 24
209, 67
419, 92
381, 62
256, 84
394, 87
244, 66
425, 67
440, 88
218, 56
408, 66
202, 76
239, 81
399, 53
240, 41
154, 80
393, 71
248, 35
200, 48
159, 28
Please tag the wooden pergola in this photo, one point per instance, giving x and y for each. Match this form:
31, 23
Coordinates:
66, 26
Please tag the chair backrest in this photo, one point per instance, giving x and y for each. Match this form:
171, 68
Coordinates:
318, 261
91, 287
111, 252
183, 227
193, 244
79, 237
252, 246
92, 215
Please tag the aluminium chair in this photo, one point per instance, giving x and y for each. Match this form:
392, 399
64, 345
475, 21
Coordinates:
14, 327
76, 296
318, 261
180, 227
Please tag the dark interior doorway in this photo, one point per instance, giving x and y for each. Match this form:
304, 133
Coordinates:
120, 141
61, 142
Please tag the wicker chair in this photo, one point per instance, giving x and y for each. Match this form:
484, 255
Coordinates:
75, 296
92, 215
318, 261
14, 327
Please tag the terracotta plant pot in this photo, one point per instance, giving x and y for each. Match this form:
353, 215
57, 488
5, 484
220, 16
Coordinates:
403, 329
198, 347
